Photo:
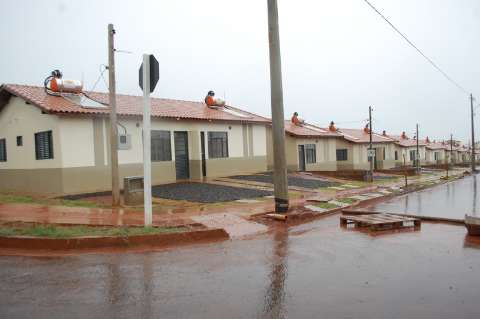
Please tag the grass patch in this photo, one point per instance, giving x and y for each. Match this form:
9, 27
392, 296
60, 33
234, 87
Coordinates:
53, 231
326, 205
346, 200
22, 199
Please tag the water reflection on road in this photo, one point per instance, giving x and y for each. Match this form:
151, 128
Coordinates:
452, 200
317, 270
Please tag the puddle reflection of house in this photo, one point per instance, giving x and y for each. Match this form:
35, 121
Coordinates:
274, 301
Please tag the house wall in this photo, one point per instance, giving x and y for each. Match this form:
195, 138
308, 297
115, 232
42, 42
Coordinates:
325, 152
406, 151
22, 172
358, 155
430, 156
81, 149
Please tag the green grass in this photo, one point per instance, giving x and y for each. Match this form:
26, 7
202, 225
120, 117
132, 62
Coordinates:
346, 200
21, 199
326, 205
53, 231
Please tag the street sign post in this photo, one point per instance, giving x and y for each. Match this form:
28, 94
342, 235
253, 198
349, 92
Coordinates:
148, 78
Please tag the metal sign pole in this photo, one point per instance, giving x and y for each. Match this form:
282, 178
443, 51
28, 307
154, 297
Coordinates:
147, 159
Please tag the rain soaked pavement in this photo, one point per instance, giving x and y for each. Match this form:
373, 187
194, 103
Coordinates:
316, 270
450, 200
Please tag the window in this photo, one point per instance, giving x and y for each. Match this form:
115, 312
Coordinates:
436, 156
412, 155
217, 144
342, 155
3, 150
311, 153
396, 155
19, 140
161, 146
43, 145
124, 142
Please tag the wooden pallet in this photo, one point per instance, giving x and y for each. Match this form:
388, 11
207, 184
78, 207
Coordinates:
379, 221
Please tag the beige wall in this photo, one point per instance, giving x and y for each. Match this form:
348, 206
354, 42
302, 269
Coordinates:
325, 152
21, 119
81, 150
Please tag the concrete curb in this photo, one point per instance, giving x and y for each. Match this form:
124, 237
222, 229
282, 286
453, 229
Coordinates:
92, 243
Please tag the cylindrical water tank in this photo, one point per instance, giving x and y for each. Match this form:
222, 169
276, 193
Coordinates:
66, 86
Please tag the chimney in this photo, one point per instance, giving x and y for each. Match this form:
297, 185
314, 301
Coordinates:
384, 133
404, 136
332, 127
427, 140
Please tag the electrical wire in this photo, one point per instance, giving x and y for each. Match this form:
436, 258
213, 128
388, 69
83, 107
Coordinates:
418, 50
105, 68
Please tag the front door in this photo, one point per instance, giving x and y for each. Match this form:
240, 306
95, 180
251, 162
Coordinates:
301, 158
181, 155
204, 162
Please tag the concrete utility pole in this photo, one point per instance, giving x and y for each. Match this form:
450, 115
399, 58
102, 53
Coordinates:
473, 134
113, 117
418, 151
451, 148
280, 179
370, 155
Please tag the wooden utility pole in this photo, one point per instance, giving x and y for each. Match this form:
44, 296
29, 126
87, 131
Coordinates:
418, 152
405, 170
370, 155
280, 178
473, 135
113, 117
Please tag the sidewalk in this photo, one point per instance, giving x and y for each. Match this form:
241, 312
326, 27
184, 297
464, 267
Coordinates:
232, 216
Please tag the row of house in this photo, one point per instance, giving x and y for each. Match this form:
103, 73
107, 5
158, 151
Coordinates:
312, 148
60, 144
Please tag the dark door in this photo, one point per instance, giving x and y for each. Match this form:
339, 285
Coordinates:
301, 157
202, 145
181, 155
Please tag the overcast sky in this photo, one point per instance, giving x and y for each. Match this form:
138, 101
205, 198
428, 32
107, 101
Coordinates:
338, 57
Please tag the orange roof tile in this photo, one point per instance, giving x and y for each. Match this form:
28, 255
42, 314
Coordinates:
407, 142
308, 131
434, 145
360, 136
129, 105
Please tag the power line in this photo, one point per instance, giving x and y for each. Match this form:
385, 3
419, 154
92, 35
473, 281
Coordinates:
418, 50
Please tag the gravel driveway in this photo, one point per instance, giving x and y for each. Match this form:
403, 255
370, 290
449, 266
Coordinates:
205, 193
292, 180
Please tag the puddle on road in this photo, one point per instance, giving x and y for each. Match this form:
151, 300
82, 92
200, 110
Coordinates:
450, 200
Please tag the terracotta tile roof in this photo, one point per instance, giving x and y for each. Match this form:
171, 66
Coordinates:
308, 131
406, 141
435, 146
129, 105
360, 136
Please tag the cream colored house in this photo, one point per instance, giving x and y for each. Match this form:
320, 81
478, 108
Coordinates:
57, 145
352, 150
406, 150
435, 153
308, 148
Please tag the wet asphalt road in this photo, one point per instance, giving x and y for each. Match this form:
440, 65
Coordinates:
451, 200
317, 270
